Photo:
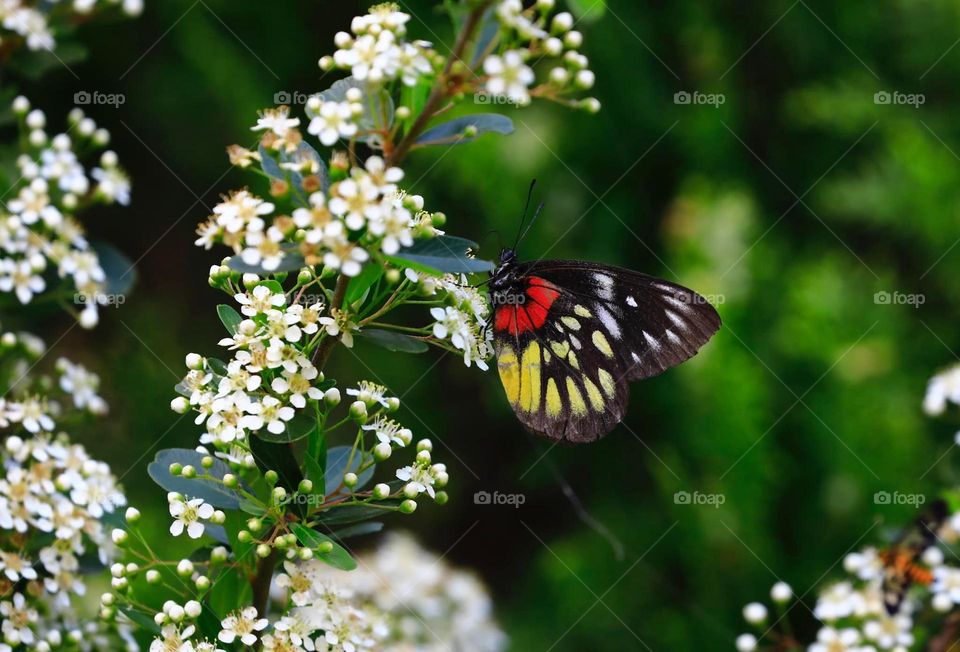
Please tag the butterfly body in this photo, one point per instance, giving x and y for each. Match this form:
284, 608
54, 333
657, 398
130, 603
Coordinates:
571, 335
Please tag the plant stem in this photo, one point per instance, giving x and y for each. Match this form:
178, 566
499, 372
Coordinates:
440, 90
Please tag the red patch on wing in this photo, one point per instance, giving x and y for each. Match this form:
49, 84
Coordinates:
533, 313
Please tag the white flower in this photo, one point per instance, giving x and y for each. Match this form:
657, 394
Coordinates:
242, 211
173, 639
339, 325
21, 278
356, 200
946, 581
189, 514
508, 76
269, 412
261, 300
837, 601
332, 121
277, 120
833, 640
890, 631
418, 477
300, 580
370, 393
113, 184
298, 384
243, 625
264, 248
388, 431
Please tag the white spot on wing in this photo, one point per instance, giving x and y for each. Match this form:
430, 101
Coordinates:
605, 284
609, 322
676, 319
651, 340
631, 301
672, 336
575, 342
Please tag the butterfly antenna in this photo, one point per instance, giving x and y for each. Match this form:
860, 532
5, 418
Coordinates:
523, 217
530, 226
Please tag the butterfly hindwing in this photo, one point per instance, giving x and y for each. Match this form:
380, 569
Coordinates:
580, 332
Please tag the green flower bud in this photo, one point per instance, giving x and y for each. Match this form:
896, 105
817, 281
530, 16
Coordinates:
305, 486
441, 498
271, 477
408, 506
350, 479
263, 551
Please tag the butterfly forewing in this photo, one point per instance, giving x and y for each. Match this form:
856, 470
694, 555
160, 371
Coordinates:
571, 335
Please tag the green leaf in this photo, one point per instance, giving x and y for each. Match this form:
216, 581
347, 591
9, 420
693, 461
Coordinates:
353, 513
230, 591
119, 270
392, 341
279, 458
452, 132
489, 28
358, 530
588, 11
231, 318
270, 165
212, 492
217, 366
444, 253
338, 557
141, 619
360, 283
337, 458
300, 426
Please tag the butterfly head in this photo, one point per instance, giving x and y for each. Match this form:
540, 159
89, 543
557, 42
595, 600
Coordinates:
504, 275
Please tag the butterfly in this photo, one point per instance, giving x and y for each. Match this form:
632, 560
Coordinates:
901, 568
570, 336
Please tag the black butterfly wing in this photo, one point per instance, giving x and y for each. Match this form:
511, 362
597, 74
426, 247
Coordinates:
585, 331
652, 324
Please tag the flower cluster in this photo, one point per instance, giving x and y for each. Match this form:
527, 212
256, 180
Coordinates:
534, 33
39, 234
463, 320
376, 50
53, 500
363, 212
892, 597
268, 376
31, 21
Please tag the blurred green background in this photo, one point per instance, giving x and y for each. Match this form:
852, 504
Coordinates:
791, 203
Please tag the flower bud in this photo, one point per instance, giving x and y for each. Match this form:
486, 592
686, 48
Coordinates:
153, 576
411, 490
218, 555
192, 608
194, 361
585, 79
254, 524
441, 498
263, 551
382, 451
332, 396
358, 411
553, 46
119, 536
424, 445
180, 405
408, 506
393, 404
350, 480
423, 457
185, 568
271, 477
305, 486
132, 515
573, 39
781, 592
381, 491
562, 22
755, 613
175, 469
230, 481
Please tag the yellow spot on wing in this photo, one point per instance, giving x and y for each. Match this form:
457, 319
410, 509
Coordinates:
600, 341
606, 382
582, 311
571, 323
509, 374
577, 406
560, 348
596, 400
574, 362
554, 404
530, 378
